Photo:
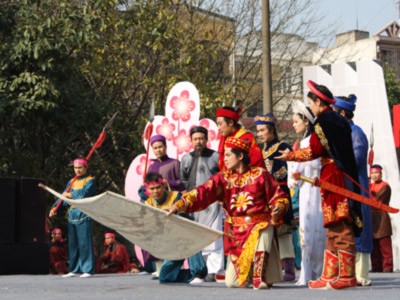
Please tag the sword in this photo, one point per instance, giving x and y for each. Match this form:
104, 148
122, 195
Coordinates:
344, 192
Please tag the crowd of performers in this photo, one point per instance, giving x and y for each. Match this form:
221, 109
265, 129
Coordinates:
273, 222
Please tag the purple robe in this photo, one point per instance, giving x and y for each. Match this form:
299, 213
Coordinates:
168, 168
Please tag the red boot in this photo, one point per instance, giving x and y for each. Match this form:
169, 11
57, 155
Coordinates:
260, 270
329, 273
346, 278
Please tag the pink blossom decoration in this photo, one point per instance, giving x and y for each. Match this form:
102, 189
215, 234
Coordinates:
212, 135
166, 129
141, 166
182, 106
182, 142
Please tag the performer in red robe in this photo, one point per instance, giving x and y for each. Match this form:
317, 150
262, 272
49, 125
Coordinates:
227, 122
58, 253
253, 202
382, 254
115, 259
332, 141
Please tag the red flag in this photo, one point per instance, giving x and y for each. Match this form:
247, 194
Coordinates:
97, 144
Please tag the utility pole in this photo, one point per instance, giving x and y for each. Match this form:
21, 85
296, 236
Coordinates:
398, 9
266, 58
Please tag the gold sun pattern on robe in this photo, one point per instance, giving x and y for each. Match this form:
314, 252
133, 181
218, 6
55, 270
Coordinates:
241, 202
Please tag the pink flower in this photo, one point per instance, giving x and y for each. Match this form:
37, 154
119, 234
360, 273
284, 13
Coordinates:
166, 129
182, 106
141, 166
182, 142
212, 135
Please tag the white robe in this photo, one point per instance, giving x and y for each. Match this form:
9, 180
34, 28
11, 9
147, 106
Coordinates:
311, 228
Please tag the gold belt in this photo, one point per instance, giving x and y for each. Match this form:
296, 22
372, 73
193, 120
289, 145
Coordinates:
249, 220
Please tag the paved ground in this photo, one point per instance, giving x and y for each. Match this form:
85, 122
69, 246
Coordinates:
127, 286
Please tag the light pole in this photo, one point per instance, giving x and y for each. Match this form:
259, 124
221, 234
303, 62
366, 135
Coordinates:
266, 58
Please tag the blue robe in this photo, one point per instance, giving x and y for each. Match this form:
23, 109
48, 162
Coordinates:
80, 233
279, 170
360, 146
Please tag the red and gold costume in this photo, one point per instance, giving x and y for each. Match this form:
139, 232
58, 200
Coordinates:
335, 207
247, 198
255, 154
332, 142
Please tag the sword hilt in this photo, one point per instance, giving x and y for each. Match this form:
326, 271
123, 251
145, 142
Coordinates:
298, 176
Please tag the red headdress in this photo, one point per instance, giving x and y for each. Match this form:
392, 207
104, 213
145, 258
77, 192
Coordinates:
235, 143
316, 92
227, 113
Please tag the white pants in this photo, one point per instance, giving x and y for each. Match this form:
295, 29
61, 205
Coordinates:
266, 243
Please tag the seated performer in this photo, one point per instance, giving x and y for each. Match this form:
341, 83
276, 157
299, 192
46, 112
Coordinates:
170, 270
115, 259
58, 253
253, 202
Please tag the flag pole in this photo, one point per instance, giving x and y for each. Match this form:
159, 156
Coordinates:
147, 135
99, 142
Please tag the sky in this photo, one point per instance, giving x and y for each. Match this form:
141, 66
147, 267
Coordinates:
372, 15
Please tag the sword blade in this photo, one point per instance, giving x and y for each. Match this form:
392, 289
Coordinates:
349, 194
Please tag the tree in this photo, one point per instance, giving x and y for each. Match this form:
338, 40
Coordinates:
43, 106
392, 87
67, 66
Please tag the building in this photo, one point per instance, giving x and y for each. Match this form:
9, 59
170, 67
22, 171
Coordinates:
356, 45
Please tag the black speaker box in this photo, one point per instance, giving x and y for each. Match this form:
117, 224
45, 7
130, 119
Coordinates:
31, 211
24, 258
8, 188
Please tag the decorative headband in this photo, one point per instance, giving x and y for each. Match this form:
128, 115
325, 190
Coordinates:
298, 107
313, 89
226, 113
265, 119
349, 105
109, 235
234, 143
56, 230
376, 170
80, 161
156, 182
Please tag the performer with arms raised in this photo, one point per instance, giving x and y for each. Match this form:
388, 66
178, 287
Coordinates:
253, 202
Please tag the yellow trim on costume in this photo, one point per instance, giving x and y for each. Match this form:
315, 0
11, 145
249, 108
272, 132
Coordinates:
271, 150
321, 135
240, 132
80, 183
244, 262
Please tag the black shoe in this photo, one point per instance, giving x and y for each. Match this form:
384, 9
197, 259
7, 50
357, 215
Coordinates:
210, 278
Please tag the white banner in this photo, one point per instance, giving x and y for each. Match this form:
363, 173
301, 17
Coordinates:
164, 237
